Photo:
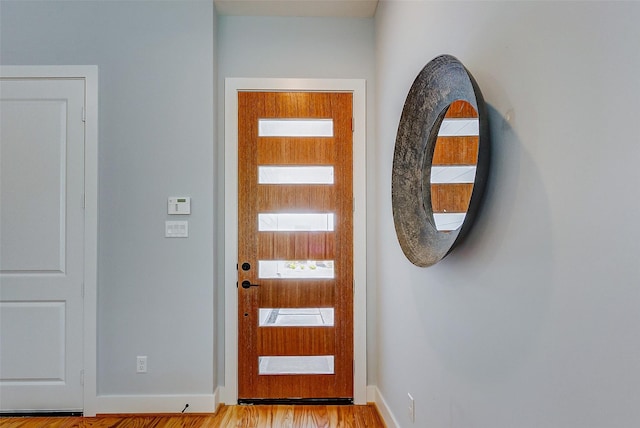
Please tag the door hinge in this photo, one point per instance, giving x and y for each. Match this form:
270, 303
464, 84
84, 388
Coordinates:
84, 114
83, 201
82, 289
354, 286
82, 377
354, 203
353, 126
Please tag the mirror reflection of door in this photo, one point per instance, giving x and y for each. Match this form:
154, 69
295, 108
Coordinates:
453, 169
295, 256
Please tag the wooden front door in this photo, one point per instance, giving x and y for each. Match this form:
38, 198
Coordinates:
295, 246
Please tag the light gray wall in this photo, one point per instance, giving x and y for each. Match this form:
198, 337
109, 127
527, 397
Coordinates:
534, 322
156, 139
341, 48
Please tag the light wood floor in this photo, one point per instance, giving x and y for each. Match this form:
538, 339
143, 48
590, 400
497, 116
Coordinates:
226, 416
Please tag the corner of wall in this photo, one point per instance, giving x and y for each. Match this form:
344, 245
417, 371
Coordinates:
375, 396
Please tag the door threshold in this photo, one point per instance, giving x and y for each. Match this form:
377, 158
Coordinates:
296, 401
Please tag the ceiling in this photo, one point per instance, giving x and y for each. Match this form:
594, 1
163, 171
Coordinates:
322, 8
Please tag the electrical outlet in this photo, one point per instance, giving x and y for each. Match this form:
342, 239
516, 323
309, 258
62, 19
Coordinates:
141, 364
412, 409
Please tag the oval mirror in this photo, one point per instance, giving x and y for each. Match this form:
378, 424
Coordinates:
440, 162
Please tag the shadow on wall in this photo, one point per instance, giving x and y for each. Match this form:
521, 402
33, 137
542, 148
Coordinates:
493, 289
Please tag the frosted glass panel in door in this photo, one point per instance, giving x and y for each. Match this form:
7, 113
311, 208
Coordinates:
448, 221
295, 222
304, 269
317, 364
295, 128
295, 175
453, 174
459, 127
296, 317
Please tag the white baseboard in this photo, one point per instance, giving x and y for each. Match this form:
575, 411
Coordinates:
202, 403
374, 396
198, 403
227, 396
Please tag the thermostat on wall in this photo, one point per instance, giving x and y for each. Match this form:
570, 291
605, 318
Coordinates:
179, 205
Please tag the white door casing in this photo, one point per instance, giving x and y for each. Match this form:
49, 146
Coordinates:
48, 228
229, 393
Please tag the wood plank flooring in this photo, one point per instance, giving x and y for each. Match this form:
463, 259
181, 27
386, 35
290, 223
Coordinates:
282, 416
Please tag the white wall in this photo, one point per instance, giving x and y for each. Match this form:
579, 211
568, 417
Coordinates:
324, 48
534, 321
156, 139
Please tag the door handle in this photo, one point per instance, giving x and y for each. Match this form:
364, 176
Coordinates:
248, 284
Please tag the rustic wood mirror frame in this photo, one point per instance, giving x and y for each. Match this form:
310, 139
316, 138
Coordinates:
442, 81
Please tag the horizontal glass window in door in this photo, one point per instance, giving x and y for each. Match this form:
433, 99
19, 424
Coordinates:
459, 128
295, 127
296, 317
285, 222
295, 269
453, 174
295, 175
316, 364
448, 221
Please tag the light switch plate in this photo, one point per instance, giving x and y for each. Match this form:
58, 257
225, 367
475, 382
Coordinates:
176, 229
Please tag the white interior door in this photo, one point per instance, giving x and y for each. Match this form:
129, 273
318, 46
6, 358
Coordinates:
41, 244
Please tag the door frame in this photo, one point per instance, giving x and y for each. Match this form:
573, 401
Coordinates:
229, 250
88, 73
